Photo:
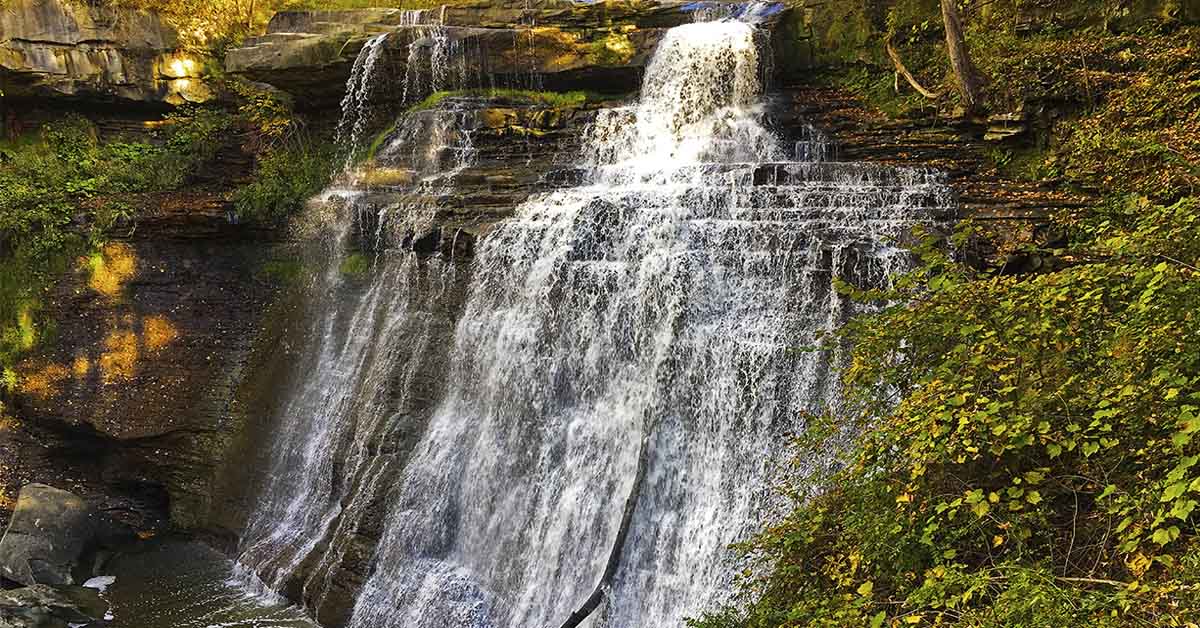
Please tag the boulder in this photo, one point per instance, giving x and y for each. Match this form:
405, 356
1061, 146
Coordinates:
60, 48
50, 531
42, 606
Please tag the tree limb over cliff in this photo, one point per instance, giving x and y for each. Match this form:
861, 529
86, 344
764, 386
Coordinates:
903, 71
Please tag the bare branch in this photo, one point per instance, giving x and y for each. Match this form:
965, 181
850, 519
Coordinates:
903, 71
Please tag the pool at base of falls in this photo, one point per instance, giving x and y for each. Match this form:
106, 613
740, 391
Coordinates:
179, 583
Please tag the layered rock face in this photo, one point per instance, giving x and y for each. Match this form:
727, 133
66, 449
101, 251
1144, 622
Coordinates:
515, 147
545, 44
65, 49
136, 395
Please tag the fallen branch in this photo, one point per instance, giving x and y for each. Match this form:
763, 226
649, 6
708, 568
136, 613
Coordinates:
614, 555
1111, 583
903, 71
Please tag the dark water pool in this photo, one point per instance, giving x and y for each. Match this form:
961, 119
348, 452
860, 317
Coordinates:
184, 584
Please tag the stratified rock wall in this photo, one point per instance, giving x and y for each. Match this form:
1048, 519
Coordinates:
547, 44
61, 49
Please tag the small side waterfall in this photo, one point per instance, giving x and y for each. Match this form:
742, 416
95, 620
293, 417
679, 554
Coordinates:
635, 340
357, 101
365, 348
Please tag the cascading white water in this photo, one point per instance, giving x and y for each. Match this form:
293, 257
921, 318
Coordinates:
662, 303
357, 101
338, 415
436, 60
637, 339
363, 340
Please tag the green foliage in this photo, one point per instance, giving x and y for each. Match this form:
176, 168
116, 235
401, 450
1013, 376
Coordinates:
558, 100
876, 87
292, 166
1144, 136
282, 271
377, 142
1026, 450
1041, 465
284, 178
268, 113
355, 266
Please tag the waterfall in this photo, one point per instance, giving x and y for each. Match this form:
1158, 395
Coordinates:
365, 347
663, 303
434, 62
357, 101
637, 340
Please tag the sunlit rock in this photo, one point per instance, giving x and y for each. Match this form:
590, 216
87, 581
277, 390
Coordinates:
60, 48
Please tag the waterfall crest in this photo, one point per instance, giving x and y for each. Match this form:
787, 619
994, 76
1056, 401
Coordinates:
652, 317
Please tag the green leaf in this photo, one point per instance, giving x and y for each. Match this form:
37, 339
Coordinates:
1162, 536
1173, 491
1183, 508
866, 588
878, 619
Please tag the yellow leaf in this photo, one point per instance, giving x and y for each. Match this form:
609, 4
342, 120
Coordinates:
904, 499
1139, 564
997, 540
912, 619
866, 588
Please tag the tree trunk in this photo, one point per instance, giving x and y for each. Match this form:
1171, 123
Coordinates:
970, 81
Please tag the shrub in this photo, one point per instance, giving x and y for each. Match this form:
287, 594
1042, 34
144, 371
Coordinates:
1027, 451
284, 179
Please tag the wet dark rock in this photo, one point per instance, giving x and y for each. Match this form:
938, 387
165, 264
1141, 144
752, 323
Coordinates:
48, 536
42, 606
520, 149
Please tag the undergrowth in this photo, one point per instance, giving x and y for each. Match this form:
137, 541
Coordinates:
63, 189
1025, 448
